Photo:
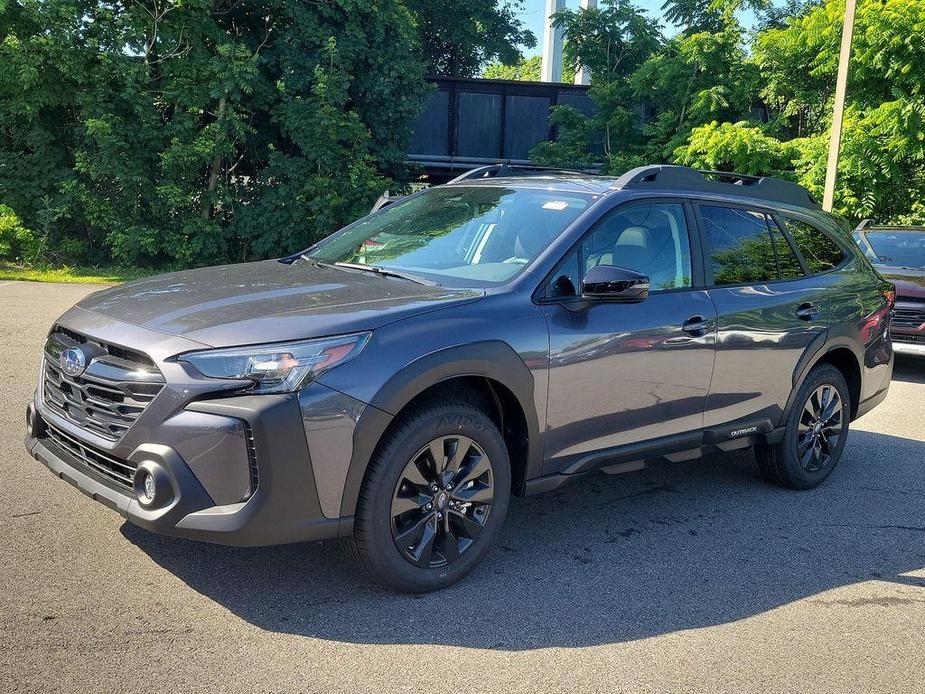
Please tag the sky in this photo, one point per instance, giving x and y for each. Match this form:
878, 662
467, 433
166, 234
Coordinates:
532, 17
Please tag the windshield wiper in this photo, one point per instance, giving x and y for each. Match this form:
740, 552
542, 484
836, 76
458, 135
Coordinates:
383, 271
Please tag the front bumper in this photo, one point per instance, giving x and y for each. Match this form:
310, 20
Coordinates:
909, 342
283, 508
908, 327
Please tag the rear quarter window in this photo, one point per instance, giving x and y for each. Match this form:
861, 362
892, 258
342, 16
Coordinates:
819, 251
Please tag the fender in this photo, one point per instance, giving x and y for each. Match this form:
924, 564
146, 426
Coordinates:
492, 359
814, 353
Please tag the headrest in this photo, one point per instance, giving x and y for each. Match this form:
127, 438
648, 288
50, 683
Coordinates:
633, 236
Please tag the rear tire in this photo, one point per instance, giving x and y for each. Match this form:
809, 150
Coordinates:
815, 434
447, 460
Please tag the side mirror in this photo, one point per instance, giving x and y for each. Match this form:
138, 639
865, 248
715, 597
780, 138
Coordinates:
612, 283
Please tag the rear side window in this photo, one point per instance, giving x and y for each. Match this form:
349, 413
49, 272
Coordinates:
741, 247
819, 251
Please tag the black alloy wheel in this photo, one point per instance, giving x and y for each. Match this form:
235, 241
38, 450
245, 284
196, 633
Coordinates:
442, 501
820, 428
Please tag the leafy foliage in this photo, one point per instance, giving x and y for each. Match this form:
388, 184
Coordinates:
17, 243
705, 98
168, 133
524, 70
883, 140
458, 37
737, 147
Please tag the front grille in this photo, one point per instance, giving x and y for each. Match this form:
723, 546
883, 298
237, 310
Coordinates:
106, 399
119, 471
910, 299
909, 317
908, 339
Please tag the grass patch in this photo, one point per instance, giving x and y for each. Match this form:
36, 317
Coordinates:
73, 275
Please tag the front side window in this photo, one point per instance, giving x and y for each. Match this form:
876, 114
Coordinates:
457, 235
819, 251
650, 238
741, 247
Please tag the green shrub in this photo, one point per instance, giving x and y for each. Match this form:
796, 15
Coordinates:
17, 242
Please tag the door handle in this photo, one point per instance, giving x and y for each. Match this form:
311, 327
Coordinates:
808, 311
697, 326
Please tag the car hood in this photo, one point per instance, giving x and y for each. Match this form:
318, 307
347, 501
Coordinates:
909, 282
268, 301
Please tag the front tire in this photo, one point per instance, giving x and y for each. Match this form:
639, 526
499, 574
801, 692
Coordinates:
815, 435
434, 498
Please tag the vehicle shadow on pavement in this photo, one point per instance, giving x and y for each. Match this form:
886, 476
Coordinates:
909, 368
606, 560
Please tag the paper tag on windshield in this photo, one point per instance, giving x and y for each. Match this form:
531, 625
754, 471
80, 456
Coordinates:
555, 205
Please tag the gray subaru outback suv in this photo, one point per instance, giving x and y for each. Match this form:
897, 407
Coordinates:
506, 333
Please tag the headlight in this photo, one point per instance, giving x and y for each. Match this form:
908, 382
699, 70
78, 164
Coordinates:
277, 368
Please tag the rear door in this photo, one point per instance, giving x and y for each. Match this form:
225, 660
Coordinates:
769, 312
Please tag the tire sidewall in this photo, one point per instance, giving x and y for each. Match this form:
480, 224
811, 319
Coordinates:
384, 558
801, 478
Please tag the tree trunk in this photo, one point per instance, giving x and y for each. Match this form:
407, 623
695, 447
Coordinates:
216, 165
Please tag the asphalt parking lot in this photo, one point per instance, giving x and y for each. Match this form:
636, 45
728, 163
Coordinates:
690, 577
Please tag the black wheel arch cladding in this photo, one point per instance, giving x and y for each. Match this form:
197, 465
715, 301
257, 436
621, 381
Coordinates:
494, 360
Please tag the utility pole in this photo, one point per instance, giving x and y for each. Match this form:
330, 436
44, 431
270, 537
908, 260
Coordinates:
582, 76
552, 44
841, 85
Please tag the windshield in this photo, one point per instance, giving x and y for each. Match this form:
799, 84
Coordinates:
897, 248
461, 236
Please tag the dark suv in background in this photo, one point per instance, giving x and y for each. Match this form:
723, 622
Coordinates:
509, 332
898, 253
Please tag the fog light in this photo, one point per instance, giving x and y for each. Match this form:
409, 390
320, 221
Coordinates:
149, 488
153, 486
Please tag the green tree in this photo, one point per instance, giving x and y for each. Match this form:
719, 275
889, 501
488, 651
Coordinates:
172, 133
611, 42
695, 79
524, 70
738, 147
883, 142
649, 92
459, 37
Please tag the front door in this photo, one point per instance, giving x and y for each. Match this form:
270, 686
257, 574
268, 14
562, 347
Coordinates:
623, 374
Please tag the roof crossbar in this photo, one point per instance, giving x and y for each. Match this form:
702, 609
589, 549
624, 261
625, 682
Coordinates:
720, 182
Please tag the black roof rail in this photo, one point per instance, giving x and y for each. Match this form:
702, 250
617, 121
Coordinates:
722, 182
504, 168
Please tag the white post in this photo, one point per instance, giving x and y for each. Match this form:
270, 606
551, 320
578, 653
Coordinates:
582, 76
552, 44
841, 85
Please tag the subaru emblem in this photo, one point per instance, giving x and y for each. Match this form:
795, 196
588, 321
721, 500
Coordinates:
73, 362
